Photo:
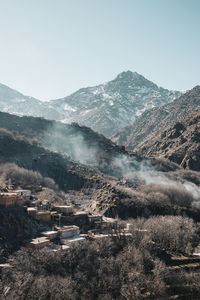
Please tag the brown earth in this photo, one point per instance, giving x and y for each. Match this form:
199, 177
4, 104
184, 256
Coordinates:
180, 143
152, 122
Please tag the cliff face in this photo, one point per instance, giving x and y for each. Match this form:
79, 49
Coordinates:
180, 143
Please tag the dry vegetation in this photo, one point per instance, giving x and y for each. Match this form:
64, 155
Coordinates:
15, 176
164, 216
116, 268
147, 200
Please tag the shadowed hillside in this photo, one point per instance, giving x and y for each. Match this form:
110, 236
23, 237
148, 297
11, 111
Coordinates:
66, 173
154, 121
80, 142
180, 143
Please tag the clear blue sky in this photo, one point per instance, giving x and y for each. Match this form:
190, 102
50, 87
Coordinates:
51, 48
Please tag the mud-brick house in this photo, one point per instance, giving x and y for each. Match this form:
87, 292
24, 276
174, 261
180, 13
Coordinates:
68, 231
39, 243
51, 235
69, 235
8, 199
22, 196
17, 197
64, 209
44, 216
32, 211
79, 218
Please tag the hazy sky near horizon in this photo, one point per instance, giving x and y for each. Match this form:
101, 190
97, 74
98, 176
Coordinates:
51, 48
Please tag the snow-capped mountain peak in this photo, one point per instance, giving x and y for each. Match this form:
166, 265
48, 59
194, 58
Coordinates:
106, 108
115, 104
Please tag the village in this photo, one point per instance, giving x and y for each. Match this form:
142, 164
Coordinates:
62, 225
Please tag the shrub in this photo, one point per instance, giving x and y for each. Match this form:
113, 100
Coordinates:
97, 270
173, 233
17, 176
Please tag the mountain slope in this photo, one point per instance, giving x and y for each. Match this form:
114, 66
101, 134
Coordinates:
80, 142
12, 101
108, 107
66, 173
156, 120
105, 108
74, 142
180, 143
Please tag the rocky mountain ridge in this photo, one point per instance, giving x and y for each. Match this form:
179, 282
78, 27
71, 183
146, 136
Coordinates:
152, 122
105, 108
108, 107
14, 102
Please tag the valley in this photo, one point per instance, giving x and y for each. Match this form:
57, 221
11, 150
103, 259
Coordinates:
93, 203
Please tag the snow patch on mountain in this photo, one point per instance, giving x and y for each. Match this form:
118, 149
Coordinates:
105, 108
108, 107
68, 108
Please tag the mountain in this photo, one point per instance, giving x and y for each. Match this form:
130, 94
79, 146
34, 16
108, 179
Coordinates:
108, 107
78, 147
13, 102
110, 194
105, 108
154, 121
180, 143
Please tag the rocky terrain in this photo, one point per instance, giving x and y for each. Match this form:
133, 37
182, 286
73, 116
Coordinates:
180, 143
14, 102
154, 121
105, 108
108, 107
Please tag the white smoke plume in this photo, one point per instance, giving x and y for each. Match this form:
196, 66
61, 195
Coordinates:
146, 173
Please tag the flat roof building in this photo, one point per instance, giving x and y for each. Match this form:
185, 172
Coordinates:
39, 243
43, 216
65, 209
51, 235
73, 239
32, 211
8, 199
16, 197
68, 231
